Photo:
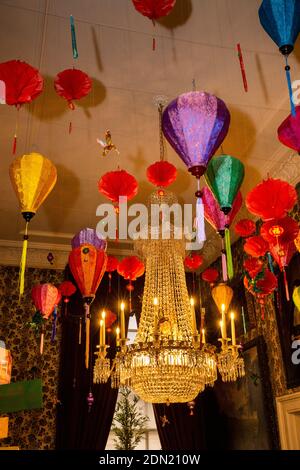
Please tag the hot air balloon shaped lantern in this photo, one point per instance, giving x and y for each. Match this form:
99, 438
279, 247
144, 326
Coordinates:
45, 297
154, 9
195, 124
281, 20
87, 262
224, 176
33, 178
23, 83
220, 221
72, 84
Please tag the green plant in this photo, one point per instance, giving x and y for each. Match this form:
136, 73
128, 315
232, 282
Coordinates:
129, 424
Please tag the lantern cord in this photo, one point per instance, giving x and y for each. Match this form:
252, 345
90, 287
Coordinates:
53, 334
14, 147
289, 84
80, 329
228, 253
87, 335
42, 340
242, 67
161, 136
73, 38
199, 222
23, 261
286, 286
153, 39
224, 261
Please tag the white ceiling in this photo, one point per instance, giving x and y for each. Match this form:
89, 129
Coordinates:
198, 41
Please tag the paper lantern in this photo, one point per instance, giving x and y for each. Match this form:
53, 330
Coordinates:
33, 177
111, 266
253, 266
116, 184
261, 286
195, 124
256, 246
222, 295
87, 265
224, 176
220, 222
67, 289
281, 231
23, 83
130, 268
271, 199
289, 131
72, 84
210, 275
90, 236
193, 261
296, 297
245, 227
45, 297
281, 20
154, 9
161, 173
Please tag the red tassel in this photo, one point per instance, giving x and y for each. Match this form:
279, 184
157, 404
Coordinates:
242, 66
287, 294
14, 148
70, 127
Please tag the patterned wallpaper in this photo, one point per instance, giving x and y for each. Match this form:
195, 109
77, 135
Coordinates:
33, 429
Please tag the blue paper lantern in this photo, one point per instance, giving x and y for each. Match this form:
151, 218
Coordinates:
281, 20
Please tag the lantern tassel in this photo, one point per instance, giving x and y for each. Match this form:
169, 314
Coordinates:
87, 335
23, 262
79, 332
73, 37
200, 227
224, 261
289, 84
242, 67
14, 148
53, 334
42, 340
109, 283
286, 286
270, 262
228, 253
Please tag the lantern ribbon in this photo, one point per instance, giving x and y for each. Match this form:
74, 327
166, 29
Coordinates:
73, 36
289, 84
286, 286
270, 262
23, 261
14, 147
79, 332
228, 253
53, 335
42, 339
199, 222
224, 261
87, 334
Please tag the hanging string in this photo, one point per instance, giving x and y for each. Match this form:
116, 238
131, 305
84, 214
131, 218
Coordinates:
161, 135
14, 147
87, 334
289, 84
153, 38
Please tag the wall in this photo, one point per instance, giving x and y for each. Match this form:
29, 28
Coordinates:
32, 429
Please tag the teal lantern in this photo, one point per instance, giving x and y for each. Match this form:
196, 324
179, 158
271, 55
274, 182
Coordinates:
281, 20
224, 176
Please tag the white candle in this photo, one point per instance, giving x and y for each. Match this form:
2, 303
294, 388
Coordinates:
117, 336
194, 324
233, 339
101, 334
122, 320
221, 328
103, 329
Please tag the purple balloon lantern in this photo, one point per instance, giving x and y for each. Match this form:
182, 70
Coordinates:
195, 124
88, 235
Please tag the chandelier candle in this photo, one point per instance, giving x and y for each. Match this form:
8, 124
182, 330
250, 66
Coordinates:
101, 334
203, 336
122, 320
192, 302
233, 339
117, 336
103, 327
224, 332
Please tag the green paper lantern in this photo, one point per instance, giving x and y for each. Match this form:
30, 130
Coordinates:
224, 176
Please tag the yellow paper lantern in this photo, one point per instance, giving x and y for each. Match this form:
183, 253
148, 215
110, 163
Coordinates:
222, 295
296, 297
33, 177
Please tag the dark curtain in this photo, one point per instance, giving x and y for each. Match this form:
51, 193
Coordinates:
76, 427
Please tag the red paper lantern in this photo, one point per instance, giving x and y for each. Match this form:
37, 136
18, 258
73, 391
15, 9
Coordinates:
193, 261
161, 173
261, 286
67, 289
256, 246
271, 199
281, 231
23, 83
289, 131
131, 268
210, 275
154, 9
253, 266
245, 227
112, 263
72, 84
115, 184
267, 284
45, 297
